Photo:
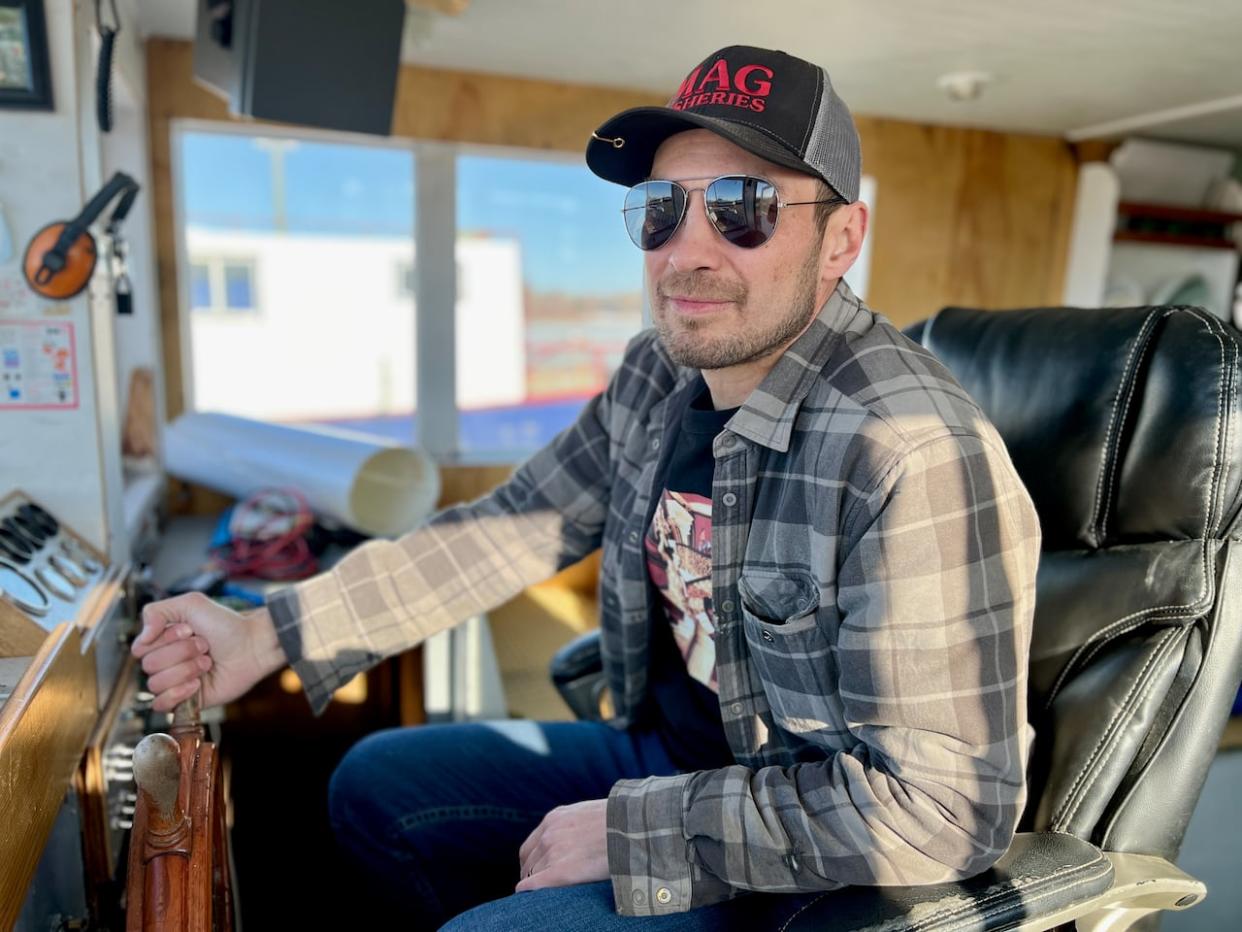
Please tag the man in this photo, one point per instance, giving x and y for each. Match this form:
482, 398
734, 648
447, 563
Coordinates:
817, 589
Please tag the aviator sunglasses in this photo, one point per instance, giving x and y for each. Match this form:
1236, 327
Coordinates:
742, 208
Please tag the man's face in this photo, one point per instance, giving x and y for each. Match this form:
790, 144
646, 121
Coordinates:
715, 304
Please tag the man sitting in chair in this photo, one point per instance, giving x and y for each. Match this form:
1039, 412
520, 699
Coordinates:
817, 589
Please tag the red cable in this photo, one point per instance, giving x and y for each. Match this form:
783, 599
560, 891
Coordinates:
268, 537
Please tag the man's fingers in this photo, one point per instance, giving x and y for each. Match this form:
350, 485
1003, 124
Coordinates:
529, 844
551, 876
539, 861
158, 629
165, 654
156, 617
180, 673
169, 700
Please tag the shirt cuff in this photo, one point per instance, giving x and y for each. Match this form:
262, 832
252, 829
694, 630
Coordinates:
318, 679
648, 855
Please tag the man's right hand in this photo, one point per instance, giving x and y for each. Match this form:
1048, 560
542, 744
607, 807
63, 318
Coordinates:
190, 641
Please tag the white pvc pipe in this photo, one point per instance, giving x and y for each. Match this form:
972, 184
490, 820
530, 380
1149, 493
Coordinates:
1091, 237
378, 488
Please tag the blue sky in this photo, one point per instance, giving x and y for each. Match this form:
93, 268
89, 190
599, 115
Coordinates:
568, 221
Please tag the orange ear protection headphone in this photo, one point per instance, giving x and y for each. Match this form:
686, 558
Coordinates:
60, 258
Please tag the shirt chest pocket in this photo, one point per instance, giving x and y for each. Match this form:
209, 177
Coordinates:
787, 603
792, 654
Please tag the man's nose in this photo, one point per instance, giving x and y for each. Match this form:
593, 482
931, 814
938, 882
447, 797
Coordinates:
696, 244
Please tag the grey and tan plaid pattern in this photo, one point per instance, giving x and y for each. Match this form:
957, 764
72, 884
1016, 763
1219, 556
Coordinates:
874, 560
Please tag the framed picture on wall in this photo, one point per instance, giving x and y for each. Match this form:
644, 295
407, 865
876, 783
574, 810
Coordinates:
25, 77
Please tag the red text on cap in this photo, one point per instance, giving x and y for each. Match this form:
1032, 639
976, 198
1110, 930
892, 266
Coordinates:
749, 86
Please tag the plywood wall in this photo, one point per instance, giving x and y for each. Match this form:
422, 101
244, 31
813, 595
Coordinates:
966, 217
962, 216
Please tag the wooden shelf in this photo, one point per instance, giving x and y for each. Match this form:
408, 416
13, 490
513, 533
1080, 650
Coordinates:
1172, 239
1167, 225
1169, 212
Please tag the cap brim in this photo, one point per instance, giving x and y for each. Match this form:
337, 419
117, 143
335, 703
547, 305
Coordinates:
640, 131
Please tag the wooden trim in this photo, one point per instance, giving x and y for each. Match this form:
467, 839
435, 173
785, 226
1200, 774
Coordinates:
43, 729
1094, 150
443, 7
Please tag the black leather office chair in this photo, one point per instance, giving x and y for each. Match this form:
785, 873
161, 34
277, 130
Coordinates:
1124, 424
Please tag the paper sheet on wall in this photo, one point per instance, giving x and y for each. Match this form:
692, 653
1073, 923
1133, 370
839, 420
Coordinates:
38, 365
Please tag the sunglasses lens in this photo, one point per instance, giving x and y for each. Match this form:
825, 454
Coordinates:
652, 211
743, 209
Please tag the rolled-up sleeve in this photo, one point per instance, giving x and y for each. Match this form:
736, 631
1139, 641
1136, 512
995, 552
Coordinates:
935, 599
387, 596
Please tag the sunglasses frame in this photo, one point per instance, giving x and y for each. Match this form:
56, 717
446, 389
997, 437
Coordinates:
686, 192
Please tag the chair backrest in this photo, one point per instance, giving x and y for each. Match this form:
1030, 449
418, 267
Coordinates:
1124, 425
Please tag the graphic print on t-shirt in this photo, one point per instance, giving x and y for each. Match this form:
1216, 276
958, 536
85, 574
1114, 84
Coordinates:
679, 559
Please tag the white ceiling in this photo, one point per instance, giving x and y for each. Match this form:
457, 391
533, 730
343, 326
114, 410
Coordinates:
1063, 67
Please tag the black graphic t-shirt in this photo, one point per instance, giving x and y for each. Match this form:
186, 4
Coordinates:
679, 562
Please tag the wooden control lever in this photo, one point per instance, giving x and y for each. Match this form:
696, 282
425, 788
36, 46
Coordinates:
178, 853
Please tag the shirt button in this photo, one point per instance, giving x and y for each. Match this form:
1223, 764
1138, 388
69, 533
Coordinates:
729, 499
639, 898
736, 708
633, 537
655, 444
767, 635
664, 896
727, 606
727, 442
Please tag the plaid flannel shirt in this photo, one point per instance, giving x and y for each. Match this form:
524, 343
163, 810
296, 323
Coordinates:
874, 558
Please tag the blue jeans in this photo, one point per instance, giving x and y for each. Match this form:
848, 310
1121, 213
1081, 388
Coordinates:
435, 815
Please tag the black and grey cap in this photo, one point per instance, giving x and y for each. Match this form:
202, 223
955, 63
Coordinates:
779, 107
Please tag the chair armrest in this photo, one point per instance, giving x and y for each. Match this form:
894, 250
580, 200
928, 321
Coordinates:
1044, 880
1042, 874
1142, 884
578, 673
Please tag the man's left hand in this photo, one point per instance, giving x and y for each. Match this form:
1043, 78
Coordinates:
569, 846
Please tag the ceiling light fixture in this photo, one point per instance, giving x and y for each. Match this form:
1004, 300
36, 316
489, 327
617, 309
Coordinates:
964, 85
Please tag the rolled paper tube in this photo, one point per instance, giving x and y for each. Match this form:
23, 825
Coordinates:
378, 488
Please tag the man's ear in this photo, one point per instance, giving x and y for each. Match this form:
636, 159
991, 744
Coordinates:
843, 240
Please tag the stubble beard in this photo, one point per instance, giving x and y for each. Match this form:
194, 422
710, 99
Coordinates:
689, 343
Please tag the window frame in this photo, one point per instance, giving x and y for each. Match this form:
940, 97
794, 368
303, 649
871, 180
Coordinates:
435, 281
217, 285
